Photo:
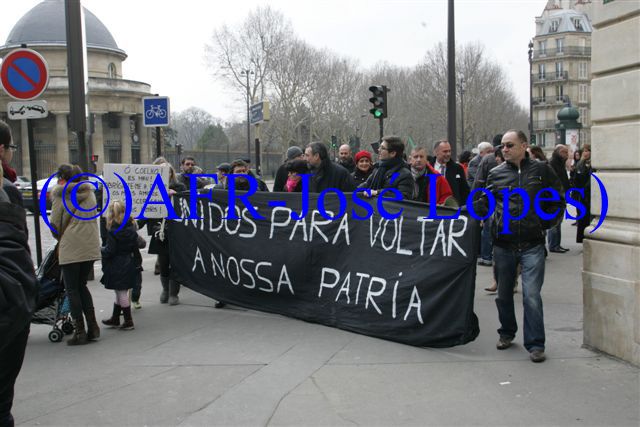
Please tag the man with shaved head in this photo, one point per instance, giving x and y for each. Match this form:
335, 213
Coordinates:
515, 185
345, 159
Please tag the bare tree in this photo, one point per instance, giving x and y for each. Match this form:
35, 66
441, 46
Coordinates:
251, 46
190, 125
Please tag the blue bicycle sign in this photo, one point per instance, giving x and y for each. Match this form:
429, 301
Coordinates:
156, 111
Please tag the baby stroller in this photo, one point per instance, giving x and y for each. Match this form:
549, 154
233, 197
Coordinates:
53, 304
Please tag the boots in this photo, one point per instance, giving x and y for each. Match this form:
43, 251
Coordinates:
114, 321
174, 288
128, 320
93, 330
164, 296
156, 269
79, 334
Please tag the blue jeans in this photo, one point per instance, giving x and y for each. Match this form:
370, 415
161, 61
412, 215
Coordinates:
532, 261
486, 241
554, 235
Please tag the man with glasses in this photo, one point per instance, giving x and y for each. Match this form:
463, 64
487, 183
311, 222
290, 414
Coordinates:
7, 148
391, 171
521, 241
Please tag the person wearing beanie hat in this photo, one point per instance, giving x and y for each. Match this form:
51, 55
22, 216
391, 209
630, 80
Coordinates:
364, 167
293, 153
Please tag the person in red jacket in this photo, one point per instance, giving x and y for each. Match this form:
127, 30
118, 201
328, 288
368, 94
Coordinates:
420, 170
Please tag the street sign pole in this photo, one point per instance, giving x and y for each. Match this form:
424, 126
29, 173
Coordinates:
258, 152
34, 189
158, 143
25, 76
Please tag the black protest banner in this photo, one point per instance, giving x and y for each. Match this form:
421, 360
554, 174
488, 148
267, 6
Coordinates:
409, 279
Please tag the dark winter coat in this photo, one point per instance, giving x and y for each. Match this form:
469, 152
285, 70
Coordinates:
331, 175
119, 258
360, 177
403, 180
155, 224
457, 180
531, 176
18, 283
280, 183
557, 163
349, 165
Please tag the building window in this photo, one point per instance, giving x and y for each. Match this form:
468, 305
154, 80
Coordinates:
577, 23
542, 47
554, 26
560, 93
559, 68
582, 93
582, 70
559, 45
584, 119
112, 72
541, 71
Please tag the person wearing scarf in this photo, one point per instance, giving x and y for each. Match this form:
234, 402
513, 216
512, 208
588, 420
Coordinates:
391, 170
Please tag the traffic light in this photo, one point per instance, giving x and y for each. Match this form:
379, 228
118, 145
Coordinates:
334, 141
533, 139
379, 101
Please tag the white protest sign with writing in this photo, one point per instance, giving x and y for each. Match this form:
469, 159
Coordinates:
139, 179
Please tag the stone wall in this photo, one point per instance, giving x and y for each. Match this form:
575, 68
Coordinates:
611, 272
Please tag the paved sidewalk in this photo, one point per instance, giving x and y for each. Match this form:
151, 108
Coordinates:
196, 365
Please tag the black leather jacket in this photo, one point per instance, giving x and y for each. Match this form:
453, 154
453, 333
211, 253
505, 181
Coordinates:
532, 176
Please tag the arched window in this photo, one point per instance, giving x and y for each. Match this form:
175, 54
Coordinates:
112, 72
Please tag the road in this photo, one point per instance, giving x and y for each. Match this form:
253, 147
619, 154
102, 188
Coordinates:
196, 365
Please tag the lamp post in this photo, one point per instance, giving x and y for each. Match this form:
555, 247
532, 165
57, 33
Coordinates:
531, 91
246, 74
461, 89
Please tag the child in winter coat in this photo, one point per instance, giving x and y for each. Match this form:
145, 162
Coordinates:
119, 263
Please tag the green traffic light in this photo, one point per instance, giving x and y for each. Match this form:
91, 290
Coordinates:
377, 114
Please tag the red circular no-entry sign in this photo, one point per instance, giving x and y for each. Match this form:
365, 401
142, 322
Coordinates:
24, 74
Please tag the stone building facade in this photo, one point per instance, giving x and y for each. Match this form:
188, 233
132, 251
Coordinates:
115, 104
611, 273
561, 67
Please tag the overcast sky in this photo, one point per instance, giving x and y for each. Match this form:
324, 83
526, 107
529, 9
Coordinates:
165, 39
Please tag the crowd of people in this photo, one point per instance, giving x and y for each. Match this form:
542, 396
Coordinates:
507, 162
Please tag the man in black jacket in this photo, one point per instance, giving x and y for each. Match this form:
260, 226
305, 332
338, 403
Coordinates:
18, 293
391, 171
326, 174
557, 163
521, 241
451, 170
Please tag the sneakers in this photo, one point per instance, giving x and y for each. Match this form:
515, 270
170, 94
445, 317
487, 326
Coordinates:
537, 356
504, 343
136, 305
485, 262
219, 304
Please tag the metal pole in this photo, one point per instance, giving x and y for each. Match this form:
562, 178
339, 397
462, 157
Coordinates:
451, 86
248, 118
158, 143
34, 190
381, 129
531, 91
462, 111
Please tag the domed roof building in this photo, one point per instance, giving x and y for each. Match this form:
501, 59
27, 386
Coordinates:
116, 132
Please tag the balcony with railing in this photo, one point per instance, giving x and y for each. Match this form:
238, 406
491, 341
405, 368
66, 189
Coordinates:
563, 51
544, 124
543, 101
550, 77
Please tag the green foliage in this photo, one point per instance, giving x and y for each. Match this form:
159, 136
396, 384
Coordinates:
213, 138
